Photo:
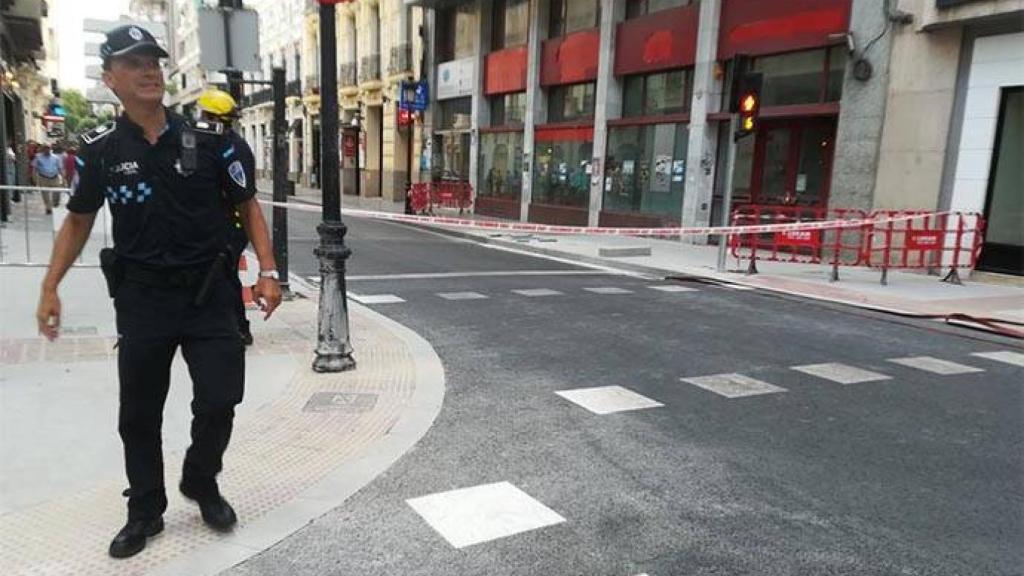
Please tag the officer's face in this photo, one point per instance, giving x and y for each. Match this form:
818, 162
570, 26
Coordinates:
136, 78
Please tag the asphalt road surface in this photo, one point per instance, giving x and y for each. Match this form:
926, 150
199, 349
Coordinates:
616, 428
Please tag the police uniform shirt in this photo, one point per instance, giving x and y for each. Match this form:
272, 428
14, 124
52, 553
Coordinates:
165, 214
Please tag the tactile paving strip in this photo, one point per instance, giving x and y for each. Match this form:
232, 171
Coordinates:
275, 454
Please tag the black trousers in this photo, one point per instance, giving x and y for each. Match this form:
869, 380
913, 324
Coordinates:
152, 323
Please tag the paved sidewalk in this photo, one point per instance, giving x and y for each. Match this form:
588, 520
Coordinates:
982, 295
303, 442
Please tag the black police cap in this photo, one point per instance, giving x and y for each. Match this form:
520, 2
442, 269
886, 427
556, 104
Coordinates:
130, 39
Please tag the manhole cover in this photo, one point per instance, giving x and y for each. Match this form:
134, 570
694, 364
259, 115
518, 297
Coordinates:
340, 402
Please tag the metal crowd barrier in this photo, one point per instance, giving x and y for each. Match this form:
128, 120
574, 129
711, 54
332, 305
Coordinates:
425, 196
26, 239
929, 240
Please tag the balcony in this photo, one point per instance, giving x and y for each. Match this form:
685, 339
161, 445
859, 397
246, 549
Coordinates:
369, 68
400, 60
347, 75
291, 88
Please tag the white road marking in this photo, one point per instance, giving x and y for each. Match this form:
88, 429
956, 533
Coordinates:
608, 399
1015, 358
737, 286
462, 296
935, 365
490, 274
537, 292
608, 290
673, 288
376, 298
841, 373
733, 385
483, 513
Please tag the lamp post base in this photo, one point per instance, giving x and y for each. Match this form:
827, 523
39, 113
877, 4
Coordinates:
334, 348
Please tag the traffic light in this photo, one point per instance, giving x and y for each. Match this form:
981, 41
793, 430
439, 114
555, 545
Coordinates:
750, 105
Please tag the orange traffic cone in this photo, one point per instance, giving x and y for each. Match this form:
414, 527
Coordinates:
247, 298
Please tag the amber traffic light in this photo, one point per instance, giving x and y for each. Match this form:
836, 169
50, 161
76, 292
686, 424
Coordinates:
750, 105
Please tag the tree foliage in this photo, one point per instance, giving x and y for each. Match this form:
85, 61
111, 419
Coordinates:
79, 116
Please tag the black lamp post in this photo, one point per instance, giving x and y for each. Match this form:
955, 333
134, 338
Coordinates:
334, 348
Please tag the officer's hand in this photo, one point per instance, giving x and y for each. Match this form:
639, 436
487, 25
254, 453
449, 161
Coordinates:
48, 314
267, 294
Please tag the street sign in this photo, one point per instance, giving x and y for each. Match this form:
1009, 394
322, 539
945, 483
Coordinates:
414, 96
243, 39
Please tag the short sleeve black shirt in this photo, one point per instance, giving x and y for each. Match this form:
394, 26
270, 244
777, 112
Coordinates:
164, 215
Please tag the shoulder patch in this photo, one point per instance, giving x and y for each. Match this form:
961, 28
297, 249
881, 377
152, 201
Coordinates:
208, 127
101, 131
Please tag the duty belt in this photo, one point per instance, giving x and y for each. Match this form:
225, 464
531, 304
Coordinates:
171, 277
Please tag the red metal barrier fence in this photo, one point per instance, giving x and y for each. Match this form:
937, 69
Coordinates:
425, 196
927, 241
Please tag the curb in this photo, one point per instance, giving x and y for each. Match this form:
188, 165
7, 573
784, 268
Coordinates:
342, 482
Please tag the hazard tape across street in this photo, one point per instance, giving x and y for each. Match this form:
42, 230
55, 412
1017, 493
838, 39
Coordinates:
505, 226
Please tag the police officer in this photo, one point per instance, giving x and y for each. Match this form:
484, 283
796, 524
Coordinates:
163, 178
218, 106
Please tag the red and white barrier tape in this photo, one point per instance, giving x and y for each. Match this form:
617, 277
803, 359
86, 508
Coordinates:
506, 226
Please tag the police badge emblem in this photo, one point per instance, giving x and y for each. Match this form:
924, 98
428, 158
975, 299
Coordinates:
237, 173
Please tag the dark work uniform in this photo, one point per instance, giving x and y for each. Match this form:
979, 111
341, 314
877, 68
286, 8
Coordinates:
168, 231
237, 238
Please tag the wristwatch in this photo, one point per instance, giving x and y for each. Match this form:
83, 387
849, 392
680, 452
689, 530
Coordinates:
269, 274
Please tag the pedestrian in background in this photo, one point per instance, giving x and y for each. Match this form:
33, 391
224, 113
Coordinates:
47, 169
70, 165
219, 106
164, 179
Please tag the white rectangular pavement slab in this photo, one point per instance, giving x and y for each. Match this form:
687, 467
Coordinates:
733, 385
376, 298
1005, 356
608, 399
935, 365
673, 288
462, 296
608, 290
537, 292
483, 513
841, 373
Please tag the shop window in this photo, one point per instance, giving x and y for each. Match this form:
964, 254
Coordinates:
657, 94
455, 113
635, 8
568, 16
456, 32
501, 164
645, 169
836, 73
508, 109
572, 102
511, 23
562, 172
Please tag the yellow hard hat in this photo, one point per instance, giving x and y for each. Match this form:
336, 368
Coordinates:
217, 102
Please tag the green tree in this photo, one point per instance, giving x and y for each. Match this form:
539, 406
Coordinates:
79, 116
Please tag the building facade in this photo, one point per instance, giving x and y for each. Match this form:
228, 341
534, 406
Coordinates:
954, 126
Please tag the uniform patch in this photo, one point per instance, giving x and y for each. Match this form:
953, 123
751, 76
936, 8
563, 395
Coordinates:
237, 173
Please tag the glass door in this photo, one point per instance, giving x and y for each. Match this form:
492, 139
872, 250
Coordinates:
1004, 205
793, 162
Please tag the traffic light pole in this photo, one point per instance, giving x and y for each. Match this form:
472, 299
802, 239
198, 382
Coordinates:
730, 167
279, 221
334, 348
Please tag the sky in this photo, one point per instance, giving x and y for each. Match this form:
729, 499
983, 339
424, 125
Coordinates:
68, 16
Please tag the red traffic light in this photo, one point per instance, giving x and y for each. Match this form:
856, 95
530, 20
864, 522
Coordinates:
748, 103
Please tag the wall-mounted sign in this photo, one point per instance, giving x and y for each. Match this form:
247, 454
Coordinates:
455, 79
414, 96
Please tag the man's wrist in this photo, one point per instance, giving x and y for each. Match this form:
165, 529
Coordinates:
270, 273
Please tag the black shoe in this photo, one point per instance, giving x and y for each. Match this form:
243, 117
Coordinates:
246, 337
132, 538
216, 511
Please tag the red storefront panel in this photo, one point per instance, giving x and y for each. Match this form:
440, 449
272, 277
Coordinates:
564, 134
505, 71
570, 59
765, 27
663, 40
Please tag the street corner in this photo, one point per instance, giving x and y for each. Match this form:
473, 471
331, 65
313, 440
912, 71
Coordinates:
303, 443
